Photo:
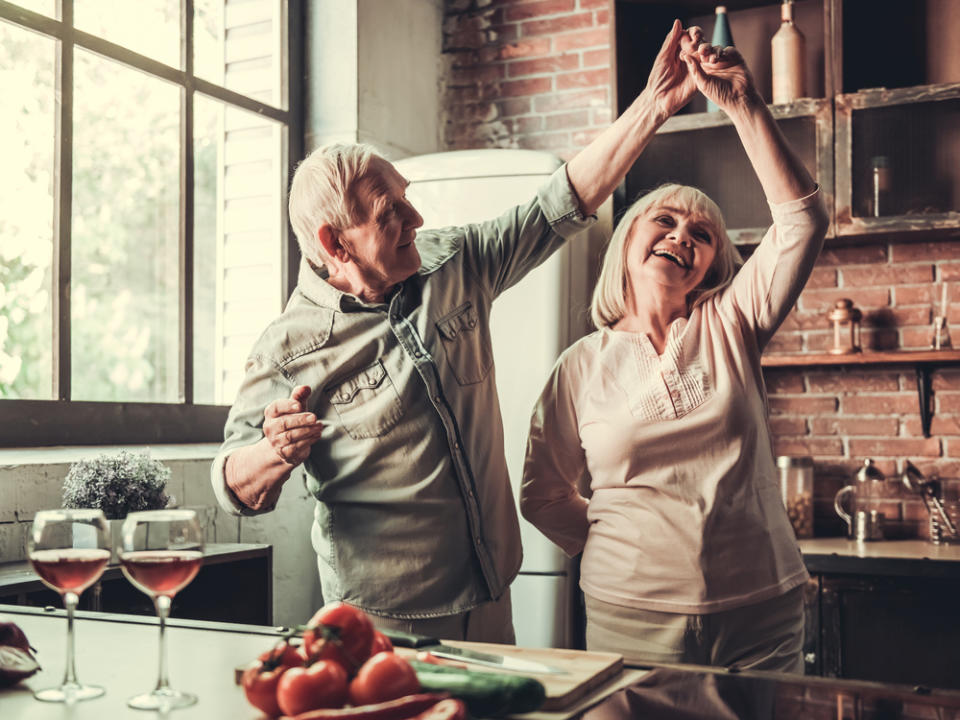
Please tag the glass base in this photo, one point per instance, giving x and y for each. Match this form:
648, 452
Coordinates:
69, 693
165, 699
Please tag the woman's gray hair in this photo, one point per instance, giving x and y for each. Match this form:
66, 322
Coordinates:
609, 302
321, 193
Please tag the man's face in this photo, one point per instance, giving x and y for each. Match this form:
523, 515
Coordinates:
381, 247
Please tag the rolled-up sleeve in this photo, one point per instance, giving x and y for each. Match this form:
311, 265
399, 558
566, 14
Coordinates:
262, 384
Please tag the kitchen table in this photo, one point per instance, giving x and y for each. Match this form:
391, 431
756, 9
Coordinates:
119, 652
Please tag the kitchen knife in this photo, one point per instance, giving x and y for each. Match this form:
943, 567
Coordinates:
504, 662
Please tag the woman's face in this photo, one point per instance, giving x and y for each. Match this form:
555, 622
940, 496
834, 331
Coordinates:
669, 251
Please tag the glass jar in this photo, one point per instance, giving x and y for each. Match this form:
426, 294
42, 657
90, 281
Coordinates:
796, 485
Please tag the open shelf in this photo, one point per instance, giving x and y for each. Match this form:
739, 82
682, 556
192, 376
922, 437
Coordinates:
893, 357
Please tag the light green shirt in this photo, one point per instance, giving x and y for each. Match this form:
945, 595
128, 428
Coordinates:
415, 515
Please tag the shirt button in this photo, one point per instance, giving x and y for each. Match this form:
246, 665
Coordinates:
456, 446
437, 399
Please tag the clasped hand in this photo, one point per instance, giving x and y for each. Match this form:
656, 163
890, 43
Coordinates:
686, 64
290, 431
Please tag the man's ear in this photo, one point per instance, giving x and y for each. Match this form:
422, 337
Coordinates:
329, 240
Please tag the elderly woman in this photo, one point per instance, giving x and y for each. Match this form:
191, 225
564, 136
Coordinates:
650, 449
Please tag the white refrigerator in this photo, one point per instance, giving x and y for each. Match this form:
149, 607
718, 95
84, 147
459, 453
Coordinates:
531, 323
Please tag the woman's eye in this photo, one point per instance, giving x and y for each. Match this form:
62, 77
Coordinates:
704, 237
664, 220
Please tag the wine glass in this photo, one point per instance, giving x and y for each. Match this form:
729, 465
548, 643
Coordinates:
69, 550
160, 554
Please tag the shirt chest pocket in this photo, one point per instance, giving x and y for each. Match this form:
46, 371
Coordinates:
367, 403
466, 343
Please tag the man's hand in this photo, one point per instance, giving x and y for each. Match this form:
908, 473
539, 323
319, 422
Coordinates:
721, 75
290, 431
670, 84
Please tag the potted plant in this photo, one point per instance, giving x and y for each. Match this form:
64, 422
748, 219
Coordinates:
117, 484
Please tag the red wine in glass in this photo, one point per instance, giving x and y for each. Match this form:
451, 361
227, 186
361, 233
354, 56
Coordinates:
69, 550
161, 552
161, 572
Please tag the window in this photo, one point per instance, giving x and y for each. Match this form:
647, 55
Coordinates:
143, 233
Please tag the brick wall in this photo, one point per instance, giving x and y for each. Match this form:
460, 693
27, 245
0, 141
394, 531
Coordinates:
841, 416
532, 74
537, 74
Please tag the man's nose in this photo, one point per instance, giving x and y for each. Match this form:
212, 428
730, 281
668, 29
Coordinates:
413, 219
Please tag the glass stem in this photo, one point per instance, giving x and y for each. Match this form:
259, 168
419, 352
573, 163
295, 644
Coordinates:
162, 604
70, 601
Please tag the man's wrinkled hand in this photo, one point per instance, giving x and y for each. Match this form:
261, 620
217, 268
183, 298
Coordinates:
290, 431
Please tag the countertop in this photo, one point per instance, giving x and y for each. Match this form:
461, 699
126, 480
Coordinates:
907, 558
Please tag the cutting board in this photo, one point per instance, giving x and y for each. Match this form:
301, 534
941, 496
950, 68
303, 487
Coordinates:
585, 670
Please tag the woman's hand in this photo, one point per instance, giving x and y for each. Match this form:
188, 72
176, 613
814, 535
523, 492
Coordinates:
722, 76
670, 85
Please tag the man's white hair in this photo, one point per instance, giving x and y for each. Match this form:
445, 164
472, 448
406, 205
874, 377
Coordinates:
321, 193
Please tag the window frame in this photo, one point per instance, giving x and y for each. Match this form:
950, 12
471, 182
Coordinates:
62, 421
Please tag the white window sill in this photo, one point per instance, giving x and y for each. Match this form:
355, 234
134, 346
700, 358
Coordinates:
72, 453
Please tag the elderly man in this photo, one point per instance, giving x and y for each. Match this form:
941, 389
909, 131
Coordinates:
378, 376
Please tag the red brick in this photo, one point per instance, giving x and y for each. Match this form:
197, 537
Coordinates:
897, 317
948, 402
525, 125
789, 343
932, 251
604, 116
570, 100
916, 339
855, 426
568, 61
887, 275
925, 295
538, 9
603, 17
856, 254
463, 58
584, 79
557, 25
469, 39
545, 141
532, 47
578, 41
948, 271
788, 426
503, 33
807, 446
783, 381
822, 277
530, 86
896, 447
946, 379
852, 381
594, 4
824, 300
939, 425
514, 106
459, 95
568, 120
807, 406
602, 57
810, 321
477, 74
900, 404
473, 112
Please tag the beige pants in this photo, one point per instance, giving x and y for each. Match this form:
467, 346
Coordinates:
763, 636
490, 622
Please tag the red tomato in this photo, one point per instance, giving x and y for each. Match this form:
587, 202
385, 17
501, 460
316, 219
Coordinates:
383, 677
322, 685
260, 686
339, 632
282, 653
381, 643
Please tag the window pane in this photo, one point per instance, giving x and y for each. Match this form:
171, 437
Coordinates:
124, 299
148, 27
239, 44
27, 140
44, 7
238, 238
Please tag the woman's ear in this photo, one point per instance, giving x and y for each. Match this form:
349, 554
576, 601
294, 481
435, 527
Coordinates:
329, 240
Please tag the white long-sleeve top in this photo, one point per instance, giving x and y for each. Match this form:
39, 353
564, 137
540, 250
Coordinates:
684, 512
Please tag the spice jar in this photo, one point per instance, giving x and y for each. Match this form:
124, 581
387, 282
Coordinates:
796, 484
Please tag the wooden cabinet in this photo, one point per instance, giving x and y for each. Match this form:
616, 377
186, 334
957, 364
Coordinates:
882, 83
234, 585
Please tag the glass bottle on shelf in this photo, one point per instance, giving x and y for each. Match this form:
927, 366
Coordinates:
882, 181
788, 57
796, 484
722, 37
